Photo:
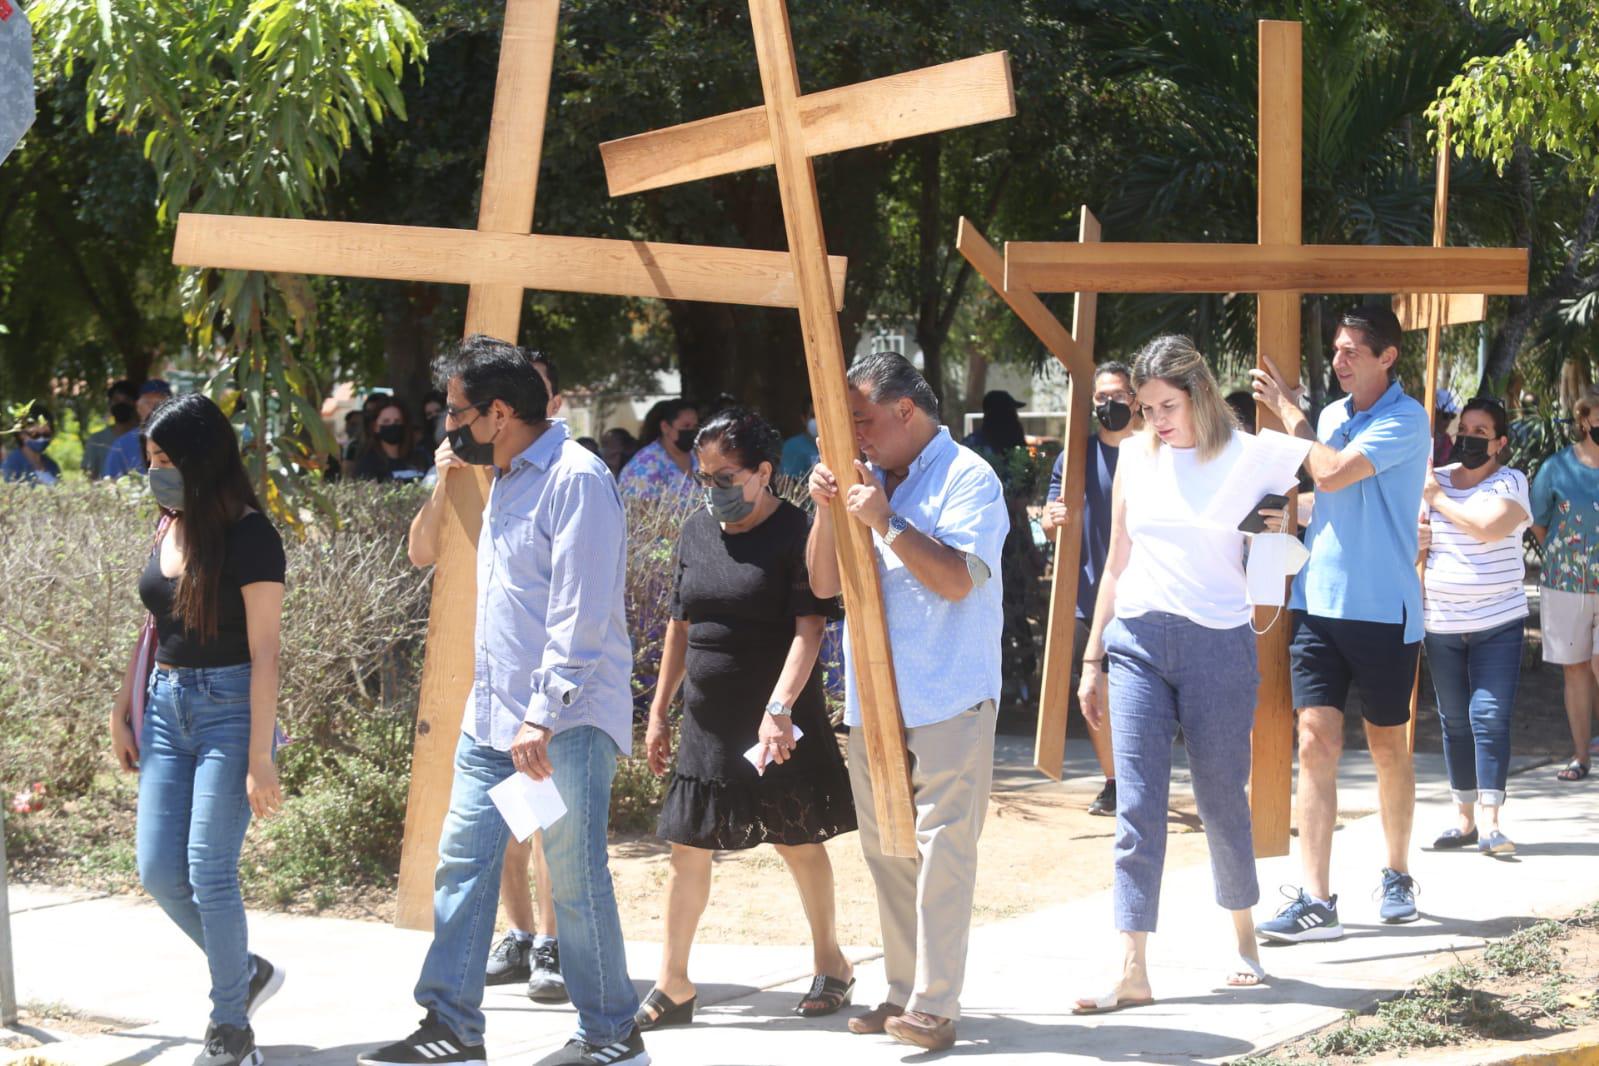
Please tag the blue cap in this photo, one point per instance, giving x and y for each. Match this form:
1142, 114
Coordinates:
155, 385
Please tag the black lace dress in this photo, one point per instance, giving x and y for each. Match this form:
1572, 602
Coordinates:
740, 594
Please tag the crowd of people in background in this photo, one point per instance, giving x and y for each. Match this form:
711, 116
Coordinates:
1414, 543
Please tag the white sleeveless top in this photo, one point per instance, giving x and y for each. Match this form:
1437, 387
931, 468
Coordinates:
1178, 566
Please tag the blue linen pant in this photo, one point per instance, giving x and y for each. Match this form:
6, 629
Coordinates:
1475, 676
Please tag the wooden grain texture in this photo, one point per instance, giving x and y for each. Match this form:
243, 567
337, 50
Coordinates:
1325, 268
510, 185
1278, 210
870, 653
1075, 351
1415, 310
944, 97
495, 261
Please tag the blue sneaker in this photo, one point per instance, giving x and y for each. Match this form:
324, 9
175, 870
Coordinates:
1302, 919
1398, 897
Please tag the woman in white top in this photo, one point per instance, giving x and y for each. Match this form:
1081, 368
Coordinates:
1173, 623
1475, 609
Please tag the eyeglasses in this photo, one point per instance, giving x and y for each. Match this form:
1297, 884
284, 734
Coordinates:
721, 480
1488, 402
455, 413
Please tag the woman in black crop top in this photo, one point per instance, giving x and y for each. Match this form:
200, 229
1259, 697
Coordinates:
214, 586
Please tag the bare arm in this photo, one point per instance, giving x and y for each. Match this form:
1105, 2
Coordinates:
1486, 518
1540, 534
423, 543
777, 734
821, 546
1091, 690
674, 665
1329, 468
940, 568
263, 615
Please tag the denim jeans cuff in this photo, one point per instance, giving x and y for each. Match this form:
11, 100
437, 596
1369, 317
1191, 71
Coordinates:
1492, 797
1464, 795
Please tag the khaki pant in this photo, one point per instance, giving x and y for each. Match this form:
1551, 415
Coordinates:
925, 903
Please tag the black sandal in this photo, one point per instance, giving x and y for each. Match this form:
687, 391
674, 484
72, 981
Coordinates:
832, 993
1574, 771
657, 1012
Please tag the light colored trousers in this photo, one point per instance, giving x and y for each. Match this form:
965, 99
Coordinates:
925, 903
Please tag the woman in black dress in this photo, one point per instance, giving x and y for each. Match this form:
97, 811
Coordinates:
745, 632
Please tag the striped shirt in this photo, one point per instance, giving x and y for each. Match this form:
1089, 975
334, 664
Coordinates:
1471, 585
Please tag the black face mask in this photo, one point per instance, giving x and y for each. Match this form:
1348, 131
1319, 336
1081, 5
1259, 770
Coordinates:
469, 449
1114, 415
1470, 452
685, 440
393, 434
124, 412
1593, 434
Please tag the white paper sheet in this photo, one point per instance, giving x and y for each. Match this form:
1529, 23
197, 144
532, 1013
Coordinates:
527, 805
756, 755
1269, 464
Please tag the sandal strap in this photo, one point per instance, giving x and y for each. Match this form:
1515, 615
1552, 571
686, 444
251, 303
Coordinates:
657, 1004
828, 990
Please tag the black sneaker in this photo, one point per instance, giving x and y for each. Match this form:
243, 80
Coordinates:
431, 1043
1105, 802
547, 985
508, 962
227, 1045
629, 1052
264, 984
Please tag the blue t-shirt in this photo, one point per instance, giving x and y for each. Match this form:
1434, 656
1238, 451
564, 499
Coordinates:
1096, 518
17, 468
125, 456
799, 455
1362, 538
1565, 501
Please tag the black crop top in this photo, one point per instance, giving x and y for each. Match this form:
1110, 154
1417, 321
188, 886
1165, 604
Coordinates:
255, 553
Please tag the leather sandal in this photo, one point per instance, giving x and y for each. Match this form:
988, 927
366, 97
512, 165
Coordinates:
829, 993
658, 1012
1575, 771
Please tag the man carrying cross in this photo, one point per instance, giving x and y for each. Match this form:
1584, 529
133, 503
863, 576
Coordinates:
1356, 606
550, 698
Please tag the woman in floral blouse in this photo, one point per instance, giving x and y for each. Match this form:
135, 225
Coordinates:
1565, 517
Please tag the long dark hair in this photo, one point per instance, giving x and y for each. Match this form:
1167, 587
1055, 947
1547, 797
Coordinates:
200, 441
373, 444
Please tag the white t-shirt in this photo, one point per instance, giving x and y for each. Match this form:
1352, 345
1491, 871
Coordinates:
1177, 565
1472, 586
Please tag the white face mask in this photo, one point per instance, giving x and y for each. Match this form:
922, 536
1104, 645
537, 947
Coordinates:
810, 427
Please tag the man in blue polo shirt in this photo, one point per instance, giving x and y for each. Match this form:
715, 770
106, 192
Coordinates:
1356, 608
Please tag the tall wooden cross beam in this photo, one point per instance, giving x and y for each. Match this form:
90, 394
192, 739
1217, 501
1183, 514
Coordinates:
1074, 350
499, 261
789, 130
1280, 269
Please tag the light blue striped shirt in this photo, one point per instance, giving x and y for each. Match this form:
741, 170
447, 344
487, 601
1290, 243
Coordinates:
552, 645
946, 652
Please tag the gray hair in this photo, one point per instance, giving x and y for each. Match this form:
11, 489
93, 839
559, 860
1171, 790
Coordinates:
890, 376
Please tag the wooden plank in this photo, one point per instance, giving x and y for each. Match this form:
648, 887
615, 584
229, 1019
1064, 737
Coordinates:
495, 261
1065, 267
945, 97
510, 184
1278, 209
1415, 310
824, 355
1049, 743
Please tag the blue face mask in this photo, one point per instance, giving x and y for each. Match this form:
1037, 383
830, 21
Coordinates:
39, 444
166, 486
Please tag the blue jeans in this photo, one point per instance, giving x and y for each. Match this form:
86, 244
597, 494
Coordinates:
1475, 676
194, 751
466, 889
1167, 671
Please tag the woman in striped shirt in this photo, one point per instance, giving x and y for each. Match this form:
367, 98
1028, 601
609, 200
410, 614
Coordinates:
1475, 610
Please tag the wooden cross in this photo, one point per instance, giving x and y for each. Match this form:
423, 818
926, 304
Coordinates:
1280, 269
499, 260
788, 131
1075, 351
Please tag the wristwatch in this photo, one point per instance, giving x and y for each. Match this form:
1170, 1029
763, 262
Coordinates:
896, 526
777, 710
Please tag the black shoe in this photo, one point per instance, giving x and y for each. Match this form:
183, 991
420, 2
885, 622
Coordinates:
264, 984
508, 962
432, 1043
629, 1052
546, 985
227, 1045
1105, 802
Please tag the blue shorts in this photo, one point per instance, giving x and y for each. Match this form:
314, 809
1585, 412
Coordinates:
1328, 655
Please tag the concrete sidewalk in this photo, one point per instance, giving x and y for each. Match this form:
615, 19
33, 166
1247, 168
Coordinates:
350, 982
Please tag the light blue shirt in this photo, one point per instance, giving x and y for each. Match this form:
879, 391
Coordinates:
946, 652
551, 646
1362, 538
125, 456
799, 455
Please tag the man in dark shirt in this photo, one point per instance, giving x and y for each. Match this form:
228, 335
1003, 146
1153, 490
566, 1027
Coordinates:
1116, 410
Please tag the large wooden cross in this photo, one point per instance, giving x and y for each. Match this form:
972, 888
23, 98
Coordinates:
789, 130
1279, 269
1074, 349
500, 260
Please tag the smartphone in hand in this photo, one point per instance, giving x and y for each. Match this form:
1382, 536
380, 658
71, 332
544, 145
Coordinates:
1254, 522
